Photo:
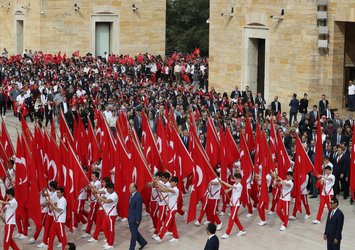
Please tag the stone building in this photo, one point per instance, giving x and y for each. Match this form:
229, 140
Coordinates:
281, 47
96, 26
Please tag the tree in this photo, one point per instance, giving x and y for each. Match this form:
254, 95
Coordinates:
186, 26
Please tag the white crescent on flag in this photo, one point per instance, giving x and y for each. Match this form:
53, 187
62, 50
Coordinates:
159, 145
199, 174
21, 162
134, 174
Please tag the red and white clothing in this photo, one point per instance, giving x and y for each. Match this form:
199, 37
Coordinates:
169, 223
94, 206
153, 206
326, 194
283, 205
235, 204
304, 198
214, 194
80, 213
162, 207
111, 214
100, 217
9, 180
261, 204
49, 219
10, 222
58, 227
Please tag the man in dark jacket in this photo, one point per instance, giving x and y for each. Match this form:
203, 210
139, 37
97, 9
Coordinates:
294, 104
212, 242
334, 226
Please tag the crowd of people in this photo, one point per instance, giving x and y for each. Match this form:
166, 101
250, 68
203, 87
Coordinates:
37, 86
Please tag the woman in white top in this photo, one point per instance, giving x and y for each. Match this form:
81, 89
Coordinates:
9, 216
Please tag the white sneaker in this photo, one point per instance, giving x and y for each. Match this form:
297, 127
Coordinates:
307, 216
316, 222
242, 233
292, 217
168, 234
221, 213
85, 235
31, 240
105, 245
270, 213
197, 223
225, 236
154, 235
157, 238
92, 240
219, 226
42, 245
124, 219
261, 223
83, 227
59, 245
151, 230
283, 228
22, 237
250, 215
17, 235
108, 247
206, 222
173, 240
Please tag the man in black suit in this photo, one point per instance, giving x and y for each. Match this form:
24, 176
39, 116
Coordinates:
260, 104
276, 106
323, 104
135, 217
236, 93
334, 226
338, 138
212, 242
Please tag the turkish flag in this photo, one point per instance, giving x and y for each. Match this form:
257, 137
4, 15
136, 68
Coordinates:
232, 152
302, 167
162, 142
318, 159
6, 141
37, 150
122, 159
273, 140
352, 165
21, 177
65, 133
283, 161
212, 144
76, 53
108, 146
246, 166
249, 137
53, 134
26, 131
68, 183
202, 174
149, 146
93, 147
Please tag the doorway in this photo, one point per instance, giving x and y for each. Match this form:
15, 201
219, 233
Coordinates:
102, 38
256, 58
19, 37
349, 56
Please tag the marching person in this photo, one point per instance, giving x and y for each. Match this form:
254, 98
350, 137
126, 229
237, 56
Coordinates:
169, 223
52, 196
135, 217
80, 214
94, 205
214, 195
154, 198
110, 206
236, 189
304, 199
334, 226
327, 181
162, 203
60, 215
283, 205
9, 217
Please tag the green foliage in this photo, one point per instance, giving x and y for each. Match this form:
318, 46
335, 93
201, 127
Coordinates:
186, 26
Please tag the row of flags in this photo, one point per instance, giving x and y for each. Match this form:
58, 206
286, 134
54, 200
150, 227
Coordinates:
41, 157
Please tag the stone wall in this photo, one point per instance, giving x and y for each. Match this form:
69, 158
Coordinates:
294, 64
53, 25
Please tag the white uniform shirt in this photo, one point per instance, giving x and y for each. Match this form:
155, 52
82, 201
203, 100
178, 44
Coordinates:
83, 195
111, 208
10, 212
163, 198
214, 190
53, 196
20, 99
42, 200
328, 185
173, 199
304, 186
97, 185
8, 183
154, 195
106, 194
287, 187
236, 193
61, 215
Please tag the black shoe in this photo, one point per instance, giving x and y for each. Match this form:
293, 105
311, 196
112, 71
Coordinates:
143, 246
351, 202
345, 197
313, 196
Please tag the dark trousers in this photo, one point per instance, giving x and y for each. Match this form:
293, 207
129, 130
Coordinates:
2, 108
351, 100
331, 246
314, 185
344, 187
294, 115
135, 236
